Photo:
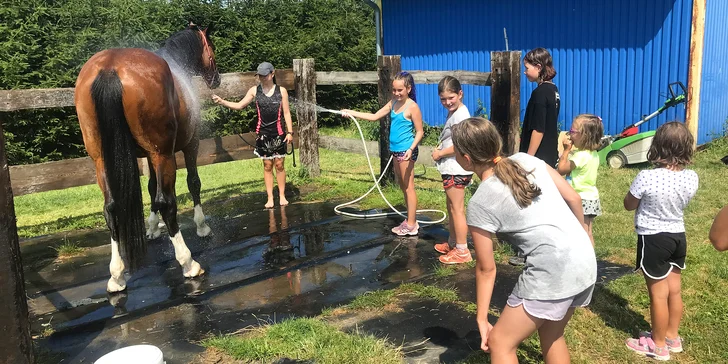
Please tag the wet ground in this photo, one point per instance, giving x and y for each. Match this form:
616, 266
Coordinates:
262, 266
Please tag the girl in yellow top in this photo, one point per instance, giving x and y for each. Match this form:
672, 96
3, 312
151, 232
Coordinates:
581, 161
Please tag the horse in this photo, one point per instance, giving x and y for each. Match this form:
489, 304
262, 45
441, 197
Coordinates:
133, 103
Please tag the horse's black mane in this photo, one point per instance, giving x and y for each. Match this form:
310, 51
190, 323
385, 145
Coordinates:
185, 49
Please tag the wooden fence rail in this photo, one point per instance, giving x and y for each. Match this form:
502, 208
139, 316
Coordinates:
74, 172
233, 85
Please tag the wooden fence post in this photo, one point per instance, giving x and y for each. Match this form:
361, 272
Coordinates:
387, 68
16, 346
305, 84
505, 97
695, 68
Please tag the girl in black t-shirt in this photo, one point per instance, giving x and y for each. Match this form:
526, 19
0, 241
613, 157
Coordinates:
539, 135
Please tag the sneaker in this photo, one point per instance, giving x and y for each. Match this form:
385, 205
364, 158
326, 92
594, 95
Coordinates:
396, 228
456, 256
443, 248
646, 347
675, 345
404, 229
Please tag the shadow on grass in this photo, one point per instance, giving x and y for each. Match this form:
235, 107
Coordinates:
612, 308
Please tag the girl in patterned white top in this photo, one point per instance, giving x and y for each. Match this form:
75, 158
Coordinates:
660, 195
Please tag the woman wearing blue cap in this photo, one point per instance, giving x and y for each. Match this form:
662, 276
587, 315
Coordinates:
271, 101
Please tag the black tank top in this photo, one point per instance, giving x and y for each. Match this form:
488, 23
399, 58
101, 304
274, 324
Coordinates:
269, 112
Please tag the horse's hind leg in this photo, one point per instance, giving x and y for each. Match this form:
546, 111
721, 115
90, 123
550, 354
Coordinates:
153, 231
165, 202
117, 282
194, 185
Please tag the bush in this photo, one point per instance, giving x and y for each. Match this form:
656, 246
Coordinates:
45, 43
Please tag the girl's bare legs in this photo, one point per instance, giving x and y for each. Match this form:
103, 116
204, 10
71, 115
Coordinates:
515, 325
281, 179
659, 291
268, 178
588, 220
407, 184
553, 344
456, 212
674, 303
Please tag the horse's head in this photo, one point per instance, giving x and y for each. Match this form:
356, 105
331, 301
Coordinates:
208, 67
193, 51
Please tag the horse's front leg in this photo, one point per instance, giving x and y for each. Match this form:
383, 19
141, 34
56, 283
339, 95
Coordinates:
194, 185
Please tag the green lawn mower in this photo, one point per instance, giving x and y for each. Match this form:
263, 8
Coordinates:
630, 146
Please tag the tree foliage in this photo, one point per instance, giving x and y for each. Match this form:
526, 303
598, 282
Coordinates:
44, 44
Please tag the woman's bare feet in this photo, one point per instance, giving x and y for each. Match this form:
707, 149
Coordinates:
269, 204
284, 202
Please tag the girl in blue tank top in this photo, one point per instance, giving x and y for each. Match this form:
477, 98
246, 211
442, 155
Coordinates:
405, 134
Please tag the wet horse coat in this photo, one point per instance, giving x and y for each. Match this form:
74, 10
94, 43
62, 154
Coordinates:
134, 103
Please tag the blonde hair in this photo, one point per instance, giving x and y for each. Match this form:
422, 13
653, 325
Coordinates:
592, 131
672, 145
479, 139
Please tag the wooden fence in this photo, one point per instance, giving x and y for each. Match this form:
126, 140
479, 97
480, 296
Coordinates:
302, 80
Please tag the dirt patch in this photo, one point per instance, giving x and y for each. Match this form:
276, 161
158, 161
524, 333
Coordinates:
215, 356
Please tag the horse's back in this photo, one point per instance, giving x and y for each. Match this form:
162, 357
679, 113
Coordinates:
149, 96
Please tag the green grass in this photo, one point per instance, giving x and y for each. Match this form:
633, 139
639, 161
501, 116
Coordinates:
372, 300
443, 271
68, 249
306, 339
378, 300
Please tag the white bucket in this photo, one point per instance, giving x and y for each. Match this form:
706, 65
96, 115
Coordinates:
137, 354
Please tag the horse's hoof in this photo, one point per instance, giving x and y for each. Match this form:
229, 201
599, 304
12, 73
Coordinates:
116, 285
203, 231
195, 270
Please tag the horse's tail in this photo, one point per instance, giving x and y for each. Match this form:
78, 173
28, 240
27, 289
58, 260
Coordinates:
124, 213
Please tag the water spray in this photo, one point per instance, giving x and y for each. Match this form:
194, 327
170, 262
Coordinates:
376, 180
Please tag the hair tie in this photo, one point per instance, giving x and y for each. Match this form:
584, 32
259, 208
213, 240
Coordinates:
496, 160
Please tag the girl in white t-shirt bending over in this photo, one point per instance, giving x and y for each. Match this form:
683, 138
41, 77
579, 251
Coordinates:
660, 195
454, 177
536, 210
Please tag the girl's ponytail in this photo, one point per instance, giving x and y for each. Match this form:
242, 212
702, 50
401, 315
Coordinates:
516, 178
479, 139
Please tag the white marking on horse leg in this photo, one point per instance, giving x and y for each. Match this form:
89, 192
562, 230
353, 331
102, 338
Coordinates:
202, 228
117, 282
153, 231
190, 268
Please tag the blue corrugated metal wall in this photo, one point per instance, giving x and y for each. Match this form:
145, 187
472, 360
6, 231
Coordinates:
714, 85
614, 58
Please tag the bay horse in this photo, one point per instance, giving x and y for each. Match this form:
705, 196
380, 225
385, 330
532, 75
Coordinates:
135, 103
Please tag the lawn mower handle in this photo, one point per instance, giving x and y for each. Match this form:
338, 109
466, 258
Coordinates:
674, 100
